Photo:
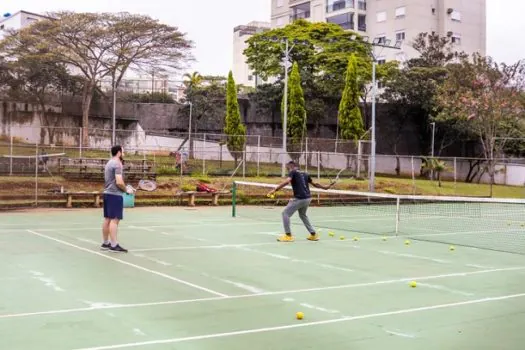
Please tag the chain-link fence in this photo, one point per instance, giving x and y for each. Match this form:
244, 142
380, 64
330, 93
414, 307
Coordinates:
32, 172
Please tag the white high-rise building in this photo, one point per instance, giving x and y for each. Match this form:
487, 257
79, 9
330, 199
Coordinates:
464, 21
241, 72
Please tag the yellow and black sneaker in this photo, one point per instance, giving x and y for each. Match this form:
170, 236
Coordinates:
286, 238
313, 237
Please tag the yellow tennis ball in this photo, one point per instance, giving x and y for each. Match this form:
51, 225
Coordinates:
331, 234
356, 238
299, 315
407, 242
452, 247
384, 238
413, 284
342, 238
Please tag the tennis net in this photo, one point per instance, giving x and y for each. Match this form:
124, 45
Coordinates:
485, 223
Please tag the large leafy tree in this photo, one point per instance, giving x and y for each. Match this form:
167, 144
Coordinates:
296, 113
483, 98
233, 124
410, 91
350, 119
98, 45
321, 51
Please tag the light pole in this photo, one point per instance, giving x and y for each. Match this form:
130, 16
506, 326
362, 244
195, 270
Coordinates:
286, 62
114, 114
432, 151
384, 43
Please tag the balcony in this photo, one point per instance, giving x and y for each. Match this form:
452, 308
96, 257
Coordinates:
345, 20
338, 5
300, 15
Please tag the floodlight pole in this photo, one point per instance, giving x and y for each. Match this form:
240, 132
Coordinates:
285, 116
114, 114
383, 44
189, 130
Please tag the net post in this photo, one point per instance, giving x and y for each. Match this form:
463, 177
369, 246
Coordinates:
318, 174
244, 162
234, 199
398, 200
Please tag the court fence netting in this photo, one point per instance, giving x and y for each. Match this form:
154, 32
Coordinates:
484, 223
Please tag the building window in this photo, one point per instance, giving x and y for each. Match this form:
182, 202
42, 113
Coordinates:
345, 20
381, 16
281, 21
361, 5
361, 23
381, 61
400, 12
380, 39
250, 77
301, 11
400, 36
456, 16
280, 3
456, 38
336, 5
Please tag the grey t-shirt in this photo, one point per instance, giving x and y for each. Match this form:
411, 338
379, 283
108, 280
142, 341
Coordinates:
112, 168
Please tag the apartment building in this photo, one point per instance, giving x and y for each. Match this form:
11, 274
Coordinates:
241, 71
462, 20
18, 21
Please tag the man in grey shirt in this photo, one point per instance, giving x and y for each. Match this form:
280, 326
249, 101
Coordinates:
114, 188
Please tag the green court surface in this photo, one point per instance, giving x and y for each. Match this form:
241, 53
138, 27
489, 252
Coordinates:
200, 279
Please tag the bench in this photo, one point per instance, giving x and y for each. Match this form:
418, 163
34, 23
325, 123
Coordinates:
93, 169
69, 197
192, 194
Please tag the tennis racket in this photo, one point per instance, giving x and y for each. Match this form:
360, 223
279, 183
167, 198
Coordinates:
336, 180
146, 185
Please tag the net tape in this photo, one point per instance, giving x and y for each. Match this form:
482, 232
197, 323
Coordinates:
393, 197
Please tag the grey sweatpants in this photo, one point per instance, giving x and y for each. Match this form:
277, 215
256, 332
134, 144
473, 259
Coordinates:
300, 205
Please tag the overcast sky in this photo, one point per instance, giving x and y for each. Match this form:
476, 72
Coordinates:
209, 23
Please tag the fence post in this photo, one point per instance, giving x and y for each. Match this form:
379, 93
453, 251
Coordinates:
244, 162
318, 174
306, 155
36, 174
359, 159
204, 155
455, 176
11, 156
413, 175
80, 143
258, 154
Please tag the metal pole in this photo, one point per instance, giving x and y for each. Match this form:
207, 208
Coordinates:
204, 156
432, 151
285, 117
36, 174
113, 136
11, 156
306, 155
258, 154
373, 153
80, 150
189, 129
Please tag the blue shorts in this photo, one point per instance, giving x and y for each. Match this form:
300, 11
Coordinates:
113, 206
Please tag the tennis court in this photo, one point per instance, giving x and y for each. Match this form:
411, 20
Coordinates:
200, 279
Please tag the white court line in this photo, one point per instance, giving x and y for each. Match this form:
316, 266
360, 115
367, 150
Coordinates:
248, 296
446, 289
399, 334
218, 246
306, 324
189, 284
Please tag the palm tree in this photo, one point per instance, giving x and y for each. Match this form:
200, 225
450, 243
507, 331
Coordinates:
192, 80
436, 166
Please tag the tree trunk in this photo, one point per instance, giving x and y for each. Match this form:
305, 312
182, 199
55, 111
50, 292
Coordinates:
86, 105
